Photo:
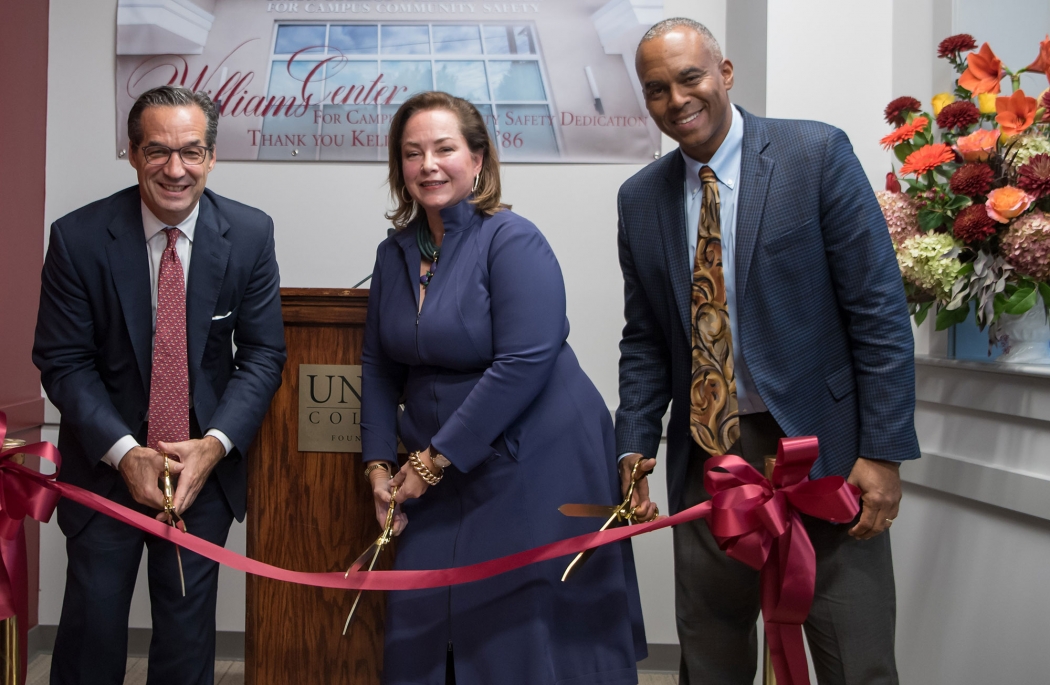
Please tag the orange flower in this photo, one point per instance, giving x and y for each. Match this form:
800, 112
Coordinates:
1015, 113
983, 72
1007, 202
904, 133
1042, 62
978, 146
927, 158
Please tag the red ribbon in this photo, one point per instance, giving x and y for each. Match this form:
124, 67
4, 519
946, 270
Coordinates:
756, 521
20, 497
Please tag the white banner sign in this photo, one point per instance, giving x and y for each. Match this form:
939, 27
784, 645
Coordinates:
319, 81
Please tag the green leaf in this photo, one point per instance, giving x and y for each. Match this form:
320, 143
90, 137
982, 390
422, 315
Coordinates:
1044, 290
903, 150
966, 269
999, 303
949, 317
1021, 301
929, 219
923, 310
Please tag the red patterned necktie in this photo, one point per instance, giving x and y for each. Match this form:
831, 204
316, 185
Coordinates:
714, 415
169, 403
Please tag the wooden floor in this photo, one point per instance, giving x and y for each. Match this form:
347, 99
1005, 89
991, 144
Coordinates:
232, 673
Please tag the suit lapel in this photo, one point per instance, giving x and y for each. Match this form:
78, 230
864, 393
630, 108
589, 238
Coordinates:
670, 207
406, 238
129, 265
755, 172
211, 252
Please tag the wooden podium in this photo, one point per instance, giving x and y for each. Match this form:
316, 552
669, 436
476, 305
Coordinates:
310, 511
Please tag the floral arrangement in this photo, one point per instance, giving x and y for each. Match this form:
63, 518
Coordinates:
973, 221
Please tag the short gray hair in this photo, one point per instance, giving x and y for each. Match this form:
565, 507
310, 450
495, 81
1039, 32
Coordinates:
667, 25
172, 96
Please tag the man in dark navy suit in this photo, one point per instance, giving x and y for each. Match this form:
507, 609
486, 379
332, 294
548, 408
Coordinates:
145, 295
762, 299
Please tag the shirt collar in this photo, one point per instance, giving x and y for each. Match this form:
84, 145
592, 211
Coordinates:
726, 160
152, 225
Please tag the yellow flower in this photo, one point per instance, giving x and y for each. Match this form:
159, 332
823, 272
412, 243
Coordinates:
942, 99
986, 103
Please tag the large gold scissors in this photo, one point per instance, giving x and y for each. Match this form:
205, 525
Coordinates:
623, 512
373, 551
173, 518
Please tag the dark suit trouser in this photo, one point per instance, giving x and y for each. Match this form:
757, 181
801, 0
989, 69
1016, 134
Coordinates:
91, 645
851, 626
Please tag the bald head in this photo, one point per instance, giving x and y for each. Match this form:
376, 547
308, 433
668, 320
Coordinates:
667, 25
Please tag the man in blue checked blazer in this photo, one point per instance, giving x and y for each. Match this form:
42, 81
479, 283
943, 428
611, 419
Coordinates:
820, 345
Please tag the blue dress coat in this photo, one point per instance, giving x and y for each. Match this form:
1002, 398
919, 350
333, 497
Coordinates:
487, 377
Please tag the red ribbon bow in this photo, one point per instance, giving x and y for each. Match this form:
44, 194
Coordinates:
20, 497
757, 522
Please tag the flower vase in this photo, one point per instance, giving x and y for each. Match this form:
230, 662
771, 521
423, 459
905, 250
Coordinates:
1026, 337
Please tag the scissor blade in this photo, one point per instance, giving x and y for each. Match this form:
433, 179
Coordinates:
587, 510
182, 578
363, 559
357, 599
581, 558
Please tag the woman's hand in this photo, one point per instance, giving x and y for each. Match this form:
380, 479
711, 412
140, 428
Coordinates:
410, 484
381, 486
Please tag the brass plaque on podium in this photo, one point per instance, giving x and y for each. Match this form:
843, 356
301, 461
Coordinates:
329, 408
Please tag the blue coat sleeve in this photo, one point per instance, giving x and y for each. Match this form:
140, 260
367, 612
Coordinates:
382, 382
64, 350
529, 328
868, 283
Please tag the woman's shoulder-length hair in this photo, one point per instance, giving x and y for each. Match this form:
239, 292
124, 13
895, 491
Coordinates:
487, 193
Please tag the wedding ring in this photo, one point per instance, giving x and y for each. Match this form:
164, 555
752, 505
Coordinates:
889, 521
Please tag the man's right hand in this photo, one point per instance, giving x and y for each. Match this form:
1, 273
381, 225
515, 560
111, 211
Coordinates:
643, 507
142, 469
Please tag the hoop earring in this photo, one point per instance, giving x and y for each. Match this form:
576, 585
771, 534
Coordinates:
407, 200
476, 179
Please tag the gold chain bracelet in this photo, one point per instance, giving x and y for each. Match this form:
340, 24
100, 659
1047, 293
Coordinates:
428, 476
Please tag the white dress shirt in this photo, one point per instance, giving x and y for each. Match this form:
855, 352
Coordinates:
156, 243
726, 165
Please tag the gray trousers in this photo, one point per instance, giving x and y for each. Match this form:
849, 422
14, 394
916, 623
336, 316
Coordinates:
851, 626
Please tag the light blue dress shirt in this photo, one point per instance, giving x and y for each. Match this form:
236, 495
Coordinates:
726, 165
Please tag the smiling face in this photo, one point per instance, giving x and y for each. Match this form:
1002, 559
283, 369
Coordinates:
686, 90
172, 190
437, 164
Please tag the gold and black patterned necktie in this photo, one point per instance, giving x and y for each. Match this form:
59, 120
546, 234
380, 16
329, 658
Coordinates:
714, 415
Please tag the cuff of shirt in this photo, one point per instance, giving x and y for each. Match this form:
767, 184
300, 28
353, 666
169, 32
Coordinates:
118, 450
221, 437
620, 458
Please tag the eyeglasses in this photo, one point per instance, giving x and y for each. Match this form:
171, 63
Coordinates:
158, 155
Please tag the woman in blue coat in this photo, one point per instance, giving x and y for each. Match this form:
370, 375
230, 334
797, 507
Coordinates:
466, 327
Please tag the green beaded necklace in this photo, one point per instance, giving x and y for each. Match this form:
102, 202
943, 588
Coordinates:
429, 251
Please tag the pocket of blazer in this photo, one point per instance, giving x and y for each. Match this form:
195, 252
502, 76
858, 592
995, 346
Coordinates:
222, 316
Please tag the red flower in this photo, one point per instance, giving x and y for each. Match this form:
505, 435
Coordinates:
972, 224
896, 112
953, 45
961, 115
892, 184
971, 179
983, 73
904, 133
1015, 113
1034, 177
1042, 62
927, 158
